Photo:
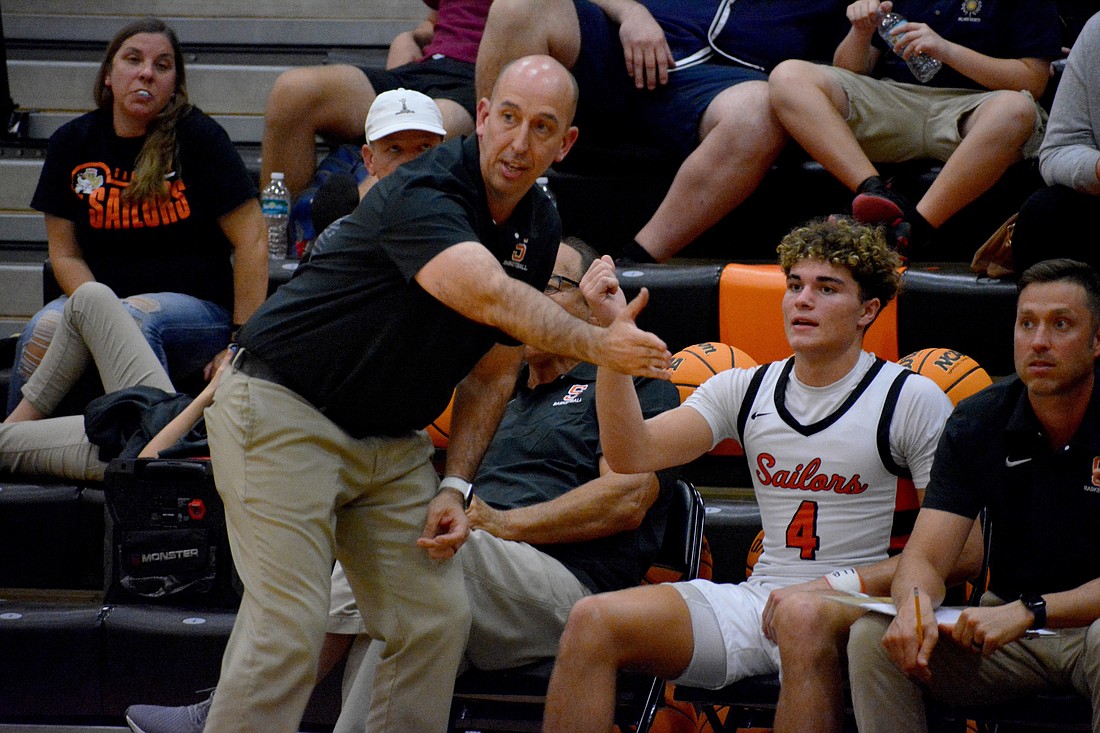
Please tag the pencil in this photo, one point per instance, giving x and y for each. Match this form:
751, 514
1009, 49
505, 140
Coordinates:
920, 624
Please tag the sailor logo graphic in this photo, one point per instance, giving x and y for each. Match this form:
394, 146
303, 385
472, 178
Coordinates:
520, 250
87, 181
572, 396
970, 10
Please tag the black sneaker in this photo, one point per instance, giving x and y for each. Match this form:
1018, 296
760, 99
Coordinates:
883, 206
899, 237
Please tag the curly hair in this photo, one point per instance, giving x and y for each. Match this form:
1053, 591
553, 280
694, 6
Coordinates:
859, 248
158, 153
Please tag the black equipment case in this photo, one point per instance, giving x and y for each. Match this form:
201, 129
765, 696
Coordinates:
165, 535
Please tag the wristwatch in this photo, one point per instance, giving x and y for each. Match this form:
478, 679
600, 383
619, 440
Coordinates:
460, 485
1035, 603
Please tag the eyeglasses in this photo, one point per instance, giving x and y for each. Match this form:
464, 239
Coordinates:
556, 283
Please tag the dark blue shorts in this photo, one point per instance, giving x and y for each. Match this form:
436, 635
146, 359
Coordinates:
438, 77
668, 115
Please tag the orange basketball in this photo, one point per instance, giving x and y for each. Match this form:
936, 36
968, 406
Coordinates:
440, 428
696, 364
753, 555
678, 716
957, 374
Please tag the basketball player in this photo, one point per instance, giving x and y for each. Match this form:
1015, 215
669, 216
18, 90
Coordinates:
829, 434
315, 429
1025, 450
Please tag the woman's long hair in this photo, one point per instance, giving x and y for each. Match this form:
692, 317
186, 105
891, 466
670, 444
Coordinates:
157, 155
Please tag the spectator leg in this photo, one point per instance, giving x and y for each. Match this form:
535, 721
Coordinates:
812, 106
992, 138
740, 137
518, 28
331, 101
645, 629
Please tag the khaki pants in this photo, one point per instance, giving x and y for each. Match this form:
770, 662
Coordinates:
886, 701
94, 330
299, 491
520, 598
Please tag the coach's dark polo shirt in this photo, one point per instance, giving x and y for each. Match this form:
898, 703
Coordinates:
355, 334
1044, 507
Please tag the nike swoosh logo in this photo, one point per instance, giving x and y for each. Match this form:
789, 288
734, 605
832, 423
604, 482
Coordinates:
1009, 463
758, 414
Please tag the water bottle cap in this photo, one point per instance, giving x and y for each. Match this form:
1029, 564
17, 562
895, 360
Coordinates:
542, 180
277, 176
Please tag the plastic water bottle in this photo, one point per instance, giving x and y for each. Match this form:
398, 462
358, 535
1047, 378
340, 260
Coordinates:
543, 184
923, 66
275, 204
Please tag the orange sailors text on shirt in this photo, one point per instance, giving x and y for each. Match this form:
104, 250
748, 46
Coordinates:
102, 189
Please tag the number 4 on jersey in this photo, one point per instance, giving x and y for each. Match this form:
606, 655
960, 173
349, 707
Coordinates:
802, 531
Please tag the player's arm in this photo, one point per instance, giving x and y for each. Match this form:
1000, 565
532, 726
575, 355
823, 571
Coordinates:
632, 444
468, 279
645, 48
604, 506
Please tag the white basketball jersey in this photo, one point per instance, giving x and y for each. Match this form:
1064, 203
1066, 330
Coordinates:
827, 490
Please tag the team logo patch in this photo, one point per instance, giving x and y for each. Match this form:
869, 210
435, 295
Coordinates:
88, 180
519, 252
970, 10
572, 395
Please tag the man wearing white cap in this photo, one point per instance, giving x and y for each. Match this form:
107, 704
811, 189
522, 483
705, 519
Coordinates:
401, 124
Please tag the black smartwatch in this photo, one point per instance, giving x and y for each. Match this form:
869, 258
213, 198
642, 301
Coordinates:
1035, 603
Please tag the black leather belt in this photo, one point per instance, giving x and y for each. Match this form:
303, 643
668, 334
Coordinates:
254, 366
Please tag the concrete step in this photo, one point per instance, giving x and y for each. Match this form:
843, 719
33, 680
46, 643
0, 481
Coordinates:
277, 22
20, 291
217, 88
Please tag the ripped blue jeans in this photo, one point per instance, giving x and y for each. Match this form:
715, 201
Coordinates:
184, 332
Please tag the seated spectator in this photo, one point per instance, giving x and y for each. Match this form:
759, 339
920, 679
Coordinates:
978, 114
550, 524
699, 87
96, 329
1060, 220
147, 195
437, 58
825, 483
401, 124
1025, 451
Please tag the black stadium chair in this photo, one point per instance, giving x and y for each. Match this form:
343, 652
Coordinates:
513, 699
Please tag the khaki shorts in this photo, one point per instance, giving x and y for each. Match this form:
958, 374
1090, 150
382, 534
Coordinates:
895, 122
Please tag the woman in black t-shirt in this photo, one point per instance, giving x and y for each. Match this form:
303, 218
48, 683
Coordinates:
147, 195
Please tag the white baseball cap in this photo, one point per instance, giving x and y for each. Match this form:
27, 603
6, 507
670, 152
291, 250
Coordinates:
402, 109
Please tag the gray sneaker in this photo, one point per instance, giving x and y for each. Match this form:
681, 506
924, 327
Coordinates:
164, 719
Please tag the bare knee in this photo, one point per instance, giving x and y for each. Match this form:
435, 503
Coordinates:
588, 632
742, 119
791, 77
812, 625
310, 94
1012, 114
